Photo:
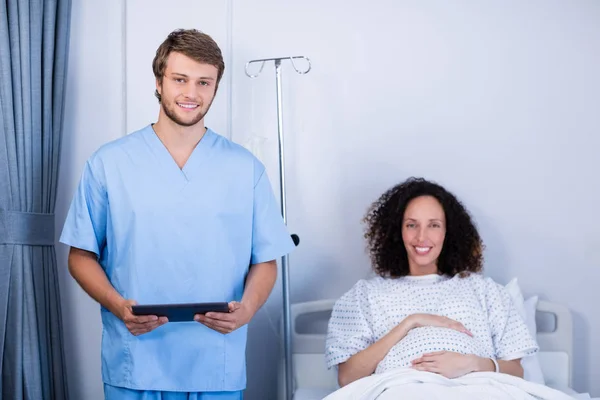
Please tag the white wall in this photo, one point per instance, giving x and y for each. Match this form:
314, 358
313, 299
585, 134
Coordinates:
93, 116
497, 102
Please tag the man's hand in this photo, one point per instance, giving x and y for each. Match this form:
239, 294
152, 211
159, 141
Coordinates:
141, 324
238, 316
446, 363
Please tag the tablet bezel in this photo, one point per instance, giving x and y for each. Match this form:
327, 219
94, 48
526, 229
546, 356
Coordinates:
170, 310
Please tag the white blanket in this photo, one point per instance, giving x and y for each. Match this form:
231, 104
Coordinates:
409, 384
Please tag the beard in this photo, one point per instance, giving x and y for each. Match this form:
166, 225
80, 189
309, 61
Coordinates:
170, 112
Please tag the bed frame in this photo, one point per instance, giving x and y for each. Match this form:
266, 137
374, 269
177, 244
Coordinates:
311, 377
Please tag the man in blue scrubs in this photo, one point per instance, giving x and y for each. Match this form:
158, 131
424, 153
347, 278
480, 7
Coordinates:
175, 213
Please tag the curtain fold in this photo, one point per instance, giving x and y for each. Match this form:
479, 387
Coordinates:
34, 40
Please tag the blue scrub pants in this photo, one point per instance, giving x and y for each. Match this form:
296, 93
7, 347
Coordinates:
119, 393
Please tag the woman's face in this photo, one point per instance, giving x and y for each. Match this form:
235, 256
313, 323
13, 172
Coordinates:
423, 233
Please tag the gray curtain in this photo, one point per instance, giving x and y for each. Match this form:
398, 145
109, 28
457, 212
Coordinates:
34, 40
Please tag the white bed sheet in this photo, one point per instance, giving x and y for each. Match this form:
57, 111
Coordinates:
410, 384
320, 394
311, 394
572, 393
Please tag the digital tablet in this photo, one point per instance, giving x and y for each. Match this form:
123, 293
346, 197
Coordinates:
179, 312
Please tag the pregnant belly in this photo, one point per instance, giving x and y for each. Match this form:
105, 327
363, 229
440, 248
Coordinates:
428, 339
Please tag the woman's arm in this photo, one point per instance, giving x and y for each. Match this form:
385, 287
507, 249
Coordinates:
512, 367
509, 331
365, 362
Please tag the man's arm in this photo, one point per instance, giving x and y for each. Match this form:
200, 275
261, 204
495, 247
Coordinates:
85, 269
259, 284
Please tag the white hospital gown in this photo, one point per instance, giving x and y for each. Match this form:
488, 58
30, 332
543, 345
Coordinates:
369, 310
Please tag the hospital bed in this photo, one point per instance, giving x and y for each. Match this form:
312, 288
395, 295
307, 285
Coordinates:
313, 380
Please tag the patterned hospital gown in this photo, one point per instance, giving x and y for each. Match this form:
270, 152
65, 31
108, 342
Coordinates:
369, 310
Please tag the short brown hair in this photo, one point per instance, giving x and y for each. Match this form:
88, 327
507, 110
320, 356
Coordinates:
192, 43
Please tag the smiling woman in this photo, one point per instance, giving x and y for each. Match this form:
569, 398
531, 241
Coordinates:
423, 231
429, 308
437, 232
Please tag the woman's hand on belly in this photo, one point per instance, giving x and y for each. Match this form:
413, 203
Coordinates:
447, 363
421, 320
453, 365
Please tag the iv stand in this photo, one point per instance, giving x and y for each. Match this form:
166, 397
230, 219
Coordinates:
287, 323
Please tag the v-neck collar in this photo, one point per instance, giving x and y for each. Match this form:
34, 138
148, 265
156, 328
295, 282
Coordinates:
194, 161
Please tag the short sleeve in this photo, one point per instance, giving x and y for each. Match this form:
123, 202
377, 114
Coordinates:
85, 225
270, 237
510, 335
349, 330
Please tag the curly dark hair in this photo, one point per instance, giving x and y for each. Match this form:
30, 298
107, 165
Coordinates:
462, 252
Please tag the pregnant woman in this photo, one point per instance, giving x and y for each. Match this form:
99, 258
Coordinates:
429, 308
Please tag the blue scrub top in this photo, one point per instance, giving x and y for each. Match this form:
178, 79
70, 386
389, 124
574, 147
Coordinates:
170, 235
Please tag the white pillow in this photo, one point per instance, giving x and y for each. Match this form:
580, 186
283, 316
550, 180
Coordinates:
527, 308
